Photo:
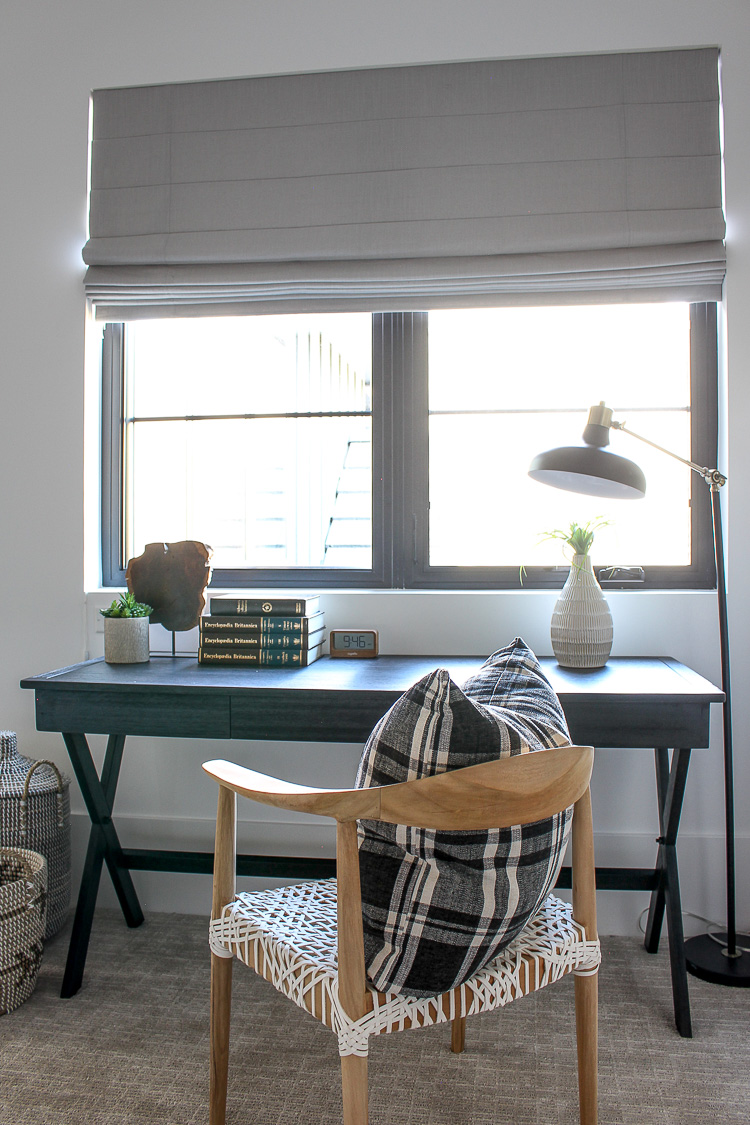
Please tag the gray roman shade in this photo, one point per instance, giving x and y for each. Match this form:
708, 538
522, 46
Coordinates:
593, 177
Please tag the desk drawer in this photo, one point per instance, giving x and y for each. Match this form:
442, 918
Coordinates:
308, 716
639, 723
173, 715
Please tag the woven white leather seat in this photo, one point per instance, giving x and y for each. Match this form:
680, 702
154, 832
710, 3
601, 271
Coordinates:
289, 936
307, 940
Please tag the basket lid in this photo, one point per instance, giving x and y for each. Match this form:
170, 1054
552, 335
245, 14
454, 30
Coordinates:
14, 769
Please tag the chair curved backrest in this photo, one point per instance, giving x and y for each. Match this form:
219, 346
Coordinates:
496, 794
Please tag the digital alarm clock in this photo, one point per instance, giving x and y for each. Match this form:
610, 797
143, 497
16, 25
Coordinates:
357, 643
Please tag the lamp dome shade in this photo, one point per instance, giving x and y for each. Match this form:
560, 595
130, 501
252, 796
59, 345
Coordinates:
593, 471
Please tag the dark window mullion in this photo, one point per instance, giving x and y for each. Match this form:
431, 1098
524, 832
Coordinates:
382, 392
406, 345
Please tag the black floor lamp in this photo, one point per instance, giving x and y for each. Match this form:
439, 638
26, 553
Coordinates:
593, 470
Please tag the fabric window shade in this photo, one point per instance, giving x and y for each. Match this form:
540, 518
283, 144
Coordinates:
594, 177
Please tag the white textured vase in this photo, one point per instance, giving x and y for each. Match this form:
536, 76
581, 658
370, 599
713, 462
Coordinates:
126, 640
581, 627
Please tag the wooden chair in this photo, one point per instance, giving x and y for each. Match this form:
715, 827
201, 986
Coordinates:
307, 940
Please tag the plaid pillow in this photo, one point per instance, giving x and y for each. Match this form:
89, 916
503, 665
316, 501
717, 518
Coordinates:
437, 906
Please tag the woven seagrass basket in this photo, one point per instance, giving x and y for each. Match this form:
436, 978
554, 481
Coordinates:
23, 910
35, 814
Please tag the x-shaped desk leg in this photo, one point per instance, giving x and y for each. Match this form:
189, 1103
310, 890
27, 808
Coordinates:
670, 787
104, 846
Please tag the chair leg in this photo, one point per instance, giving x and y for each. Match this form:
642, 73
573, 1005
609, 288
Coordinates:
221, 1002
458, 1034
587, 1037
354, 1089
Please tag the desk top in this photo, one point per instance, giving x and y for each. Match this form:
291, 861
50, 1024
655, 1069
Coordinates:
632, 701
647, 676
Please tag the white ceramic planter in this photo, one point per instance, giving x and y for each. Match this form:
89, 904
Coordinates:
581, 628
126, 640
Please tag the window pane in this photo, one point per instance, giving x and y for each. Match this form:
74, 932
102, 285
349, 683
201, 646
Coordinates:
282, 488
507, 384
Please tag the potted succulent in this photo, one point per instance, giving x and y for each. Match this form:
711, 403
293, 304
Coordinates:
581, 628
126, 630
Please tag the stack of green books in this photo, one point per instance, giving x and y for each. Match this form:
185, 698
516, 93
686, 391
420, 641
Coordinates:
262, 631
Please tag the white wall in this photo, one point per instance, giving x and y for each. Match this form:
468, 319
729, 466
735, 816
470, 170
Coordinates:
51, 56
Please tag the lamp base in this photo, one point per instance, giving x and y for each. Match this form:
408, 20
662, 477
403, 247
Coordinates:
707, 959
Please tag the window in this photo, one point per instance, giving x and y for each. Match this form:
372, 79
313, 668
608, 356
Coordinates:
391, 450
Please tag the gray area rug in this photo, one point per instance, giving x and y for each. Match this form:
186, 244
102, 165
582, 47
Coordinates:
132, 1047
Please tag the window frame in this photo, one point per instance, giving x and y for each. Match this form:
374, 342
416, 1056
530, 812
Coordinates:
700, 574
378, 576
400, 483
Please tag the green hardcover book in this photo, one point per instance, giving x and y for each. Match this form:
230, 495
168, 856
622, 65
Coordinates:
227, 624
266, 658
263, 642
266, 606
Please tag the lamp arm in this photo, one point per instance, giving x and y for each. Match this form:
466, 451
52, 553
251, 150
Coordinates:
713, 478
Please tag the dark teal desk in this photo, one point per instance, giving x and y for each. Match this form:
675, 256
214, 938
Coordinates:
653, 703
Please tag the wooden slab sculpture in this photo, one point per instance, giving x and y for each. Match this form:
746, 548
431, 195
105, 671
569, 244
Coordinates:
171, 577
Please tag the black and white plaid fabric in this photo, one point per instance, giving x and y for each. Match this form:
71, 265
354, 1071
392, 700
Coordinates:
437, 906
